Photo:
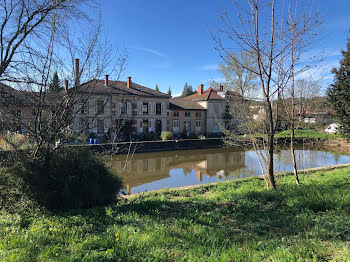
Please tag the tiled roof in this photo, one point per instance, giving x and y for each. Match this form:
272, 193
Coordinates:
209, 94
30, 98
181, 103
212, 94
6, 89
119, 87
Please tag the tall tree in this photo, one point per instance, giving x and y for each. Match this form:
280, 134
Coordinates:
238, 72
157, 88
55, 85
187, 91
26, 27
263, 28
35, 37
169, 91
339, 92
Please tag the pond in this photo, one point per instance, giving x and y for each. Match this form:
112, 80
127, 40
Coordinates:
153, 171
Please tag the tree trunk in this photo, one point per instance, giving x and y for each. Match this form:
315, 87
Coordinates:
292, 135
270, 174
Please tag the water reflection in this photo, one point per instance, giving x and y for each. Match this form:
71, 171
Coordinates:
153, 171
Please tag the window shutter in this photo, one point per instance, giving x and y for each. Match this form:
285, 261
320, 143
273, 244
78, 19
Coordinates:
140, 105
105, 124
128, 105
119, 108
154, 108
162, 108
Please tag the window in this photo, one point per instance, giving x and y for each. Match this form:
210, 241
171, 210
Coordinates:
124, 108
198, 114
158, 126
145, 108
145, 125
83, 108
83, 124
187, 114
216, 108
100, 126
176, 114
176, 126
198, 123
158, 108
100, 107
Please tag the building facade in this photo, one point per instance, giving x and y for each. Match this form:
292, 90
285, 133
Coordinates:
115, 107
219, 106
187, 117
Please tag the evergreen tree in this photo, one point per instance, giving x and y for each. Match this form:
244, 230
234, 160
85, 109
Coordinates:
157, 88
187, 91
54, 85
169, 91
339, 92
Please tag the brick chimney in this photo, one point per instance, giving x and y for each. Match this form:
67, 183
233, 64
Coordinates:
66, 85
106, 80
77, 72
200, 89
128, 83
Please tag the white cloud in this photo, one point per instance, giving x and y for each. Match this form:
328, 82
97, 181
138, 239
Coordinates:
150, 50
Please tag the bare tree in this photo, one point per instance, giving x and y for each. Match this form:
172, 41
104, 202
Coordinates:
265, 29
47, 37
303, 35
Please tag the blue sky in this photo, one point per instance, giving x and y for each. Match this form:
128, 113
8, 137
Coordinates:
169, 42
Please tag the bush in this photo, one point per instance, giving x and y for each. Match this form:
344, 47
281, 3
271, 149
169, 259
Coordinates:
12, 197
166, 135
69, 179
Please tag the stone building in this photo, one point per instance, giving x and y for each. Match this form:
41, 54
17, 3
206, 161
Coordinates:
219, 105
104, 106
187, 117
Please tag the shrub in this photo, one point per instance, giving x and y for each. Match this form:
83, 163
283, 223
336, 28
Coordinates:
166, 135
69, 179
12, 197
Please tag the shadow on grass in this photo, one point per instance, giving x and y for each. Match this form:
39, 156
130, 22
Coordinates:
319, 210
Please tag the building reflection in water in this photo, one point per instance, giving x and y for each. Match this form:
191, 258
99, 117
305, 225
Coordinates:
152, 171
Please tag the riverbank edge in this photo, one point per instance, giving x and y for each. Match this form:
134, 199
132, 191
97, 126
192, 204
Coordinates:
307, 171
191, 144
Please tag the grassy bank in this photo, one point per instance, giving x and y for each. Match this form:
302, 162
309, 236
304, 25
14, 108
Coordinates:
232, 221
309, 133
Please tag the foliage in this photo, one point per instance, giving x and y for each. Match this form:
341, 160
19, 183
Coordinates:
166, 135
339, 92
148, 136
187, 91
231, 221
169, 91
309, 133
157, 87
238, 72
12, 140
12, 197
70, 178
54, 85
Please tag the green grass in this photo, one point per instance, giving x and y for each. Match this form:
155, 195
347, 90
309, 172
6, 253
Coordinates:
230, 221
310, 133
